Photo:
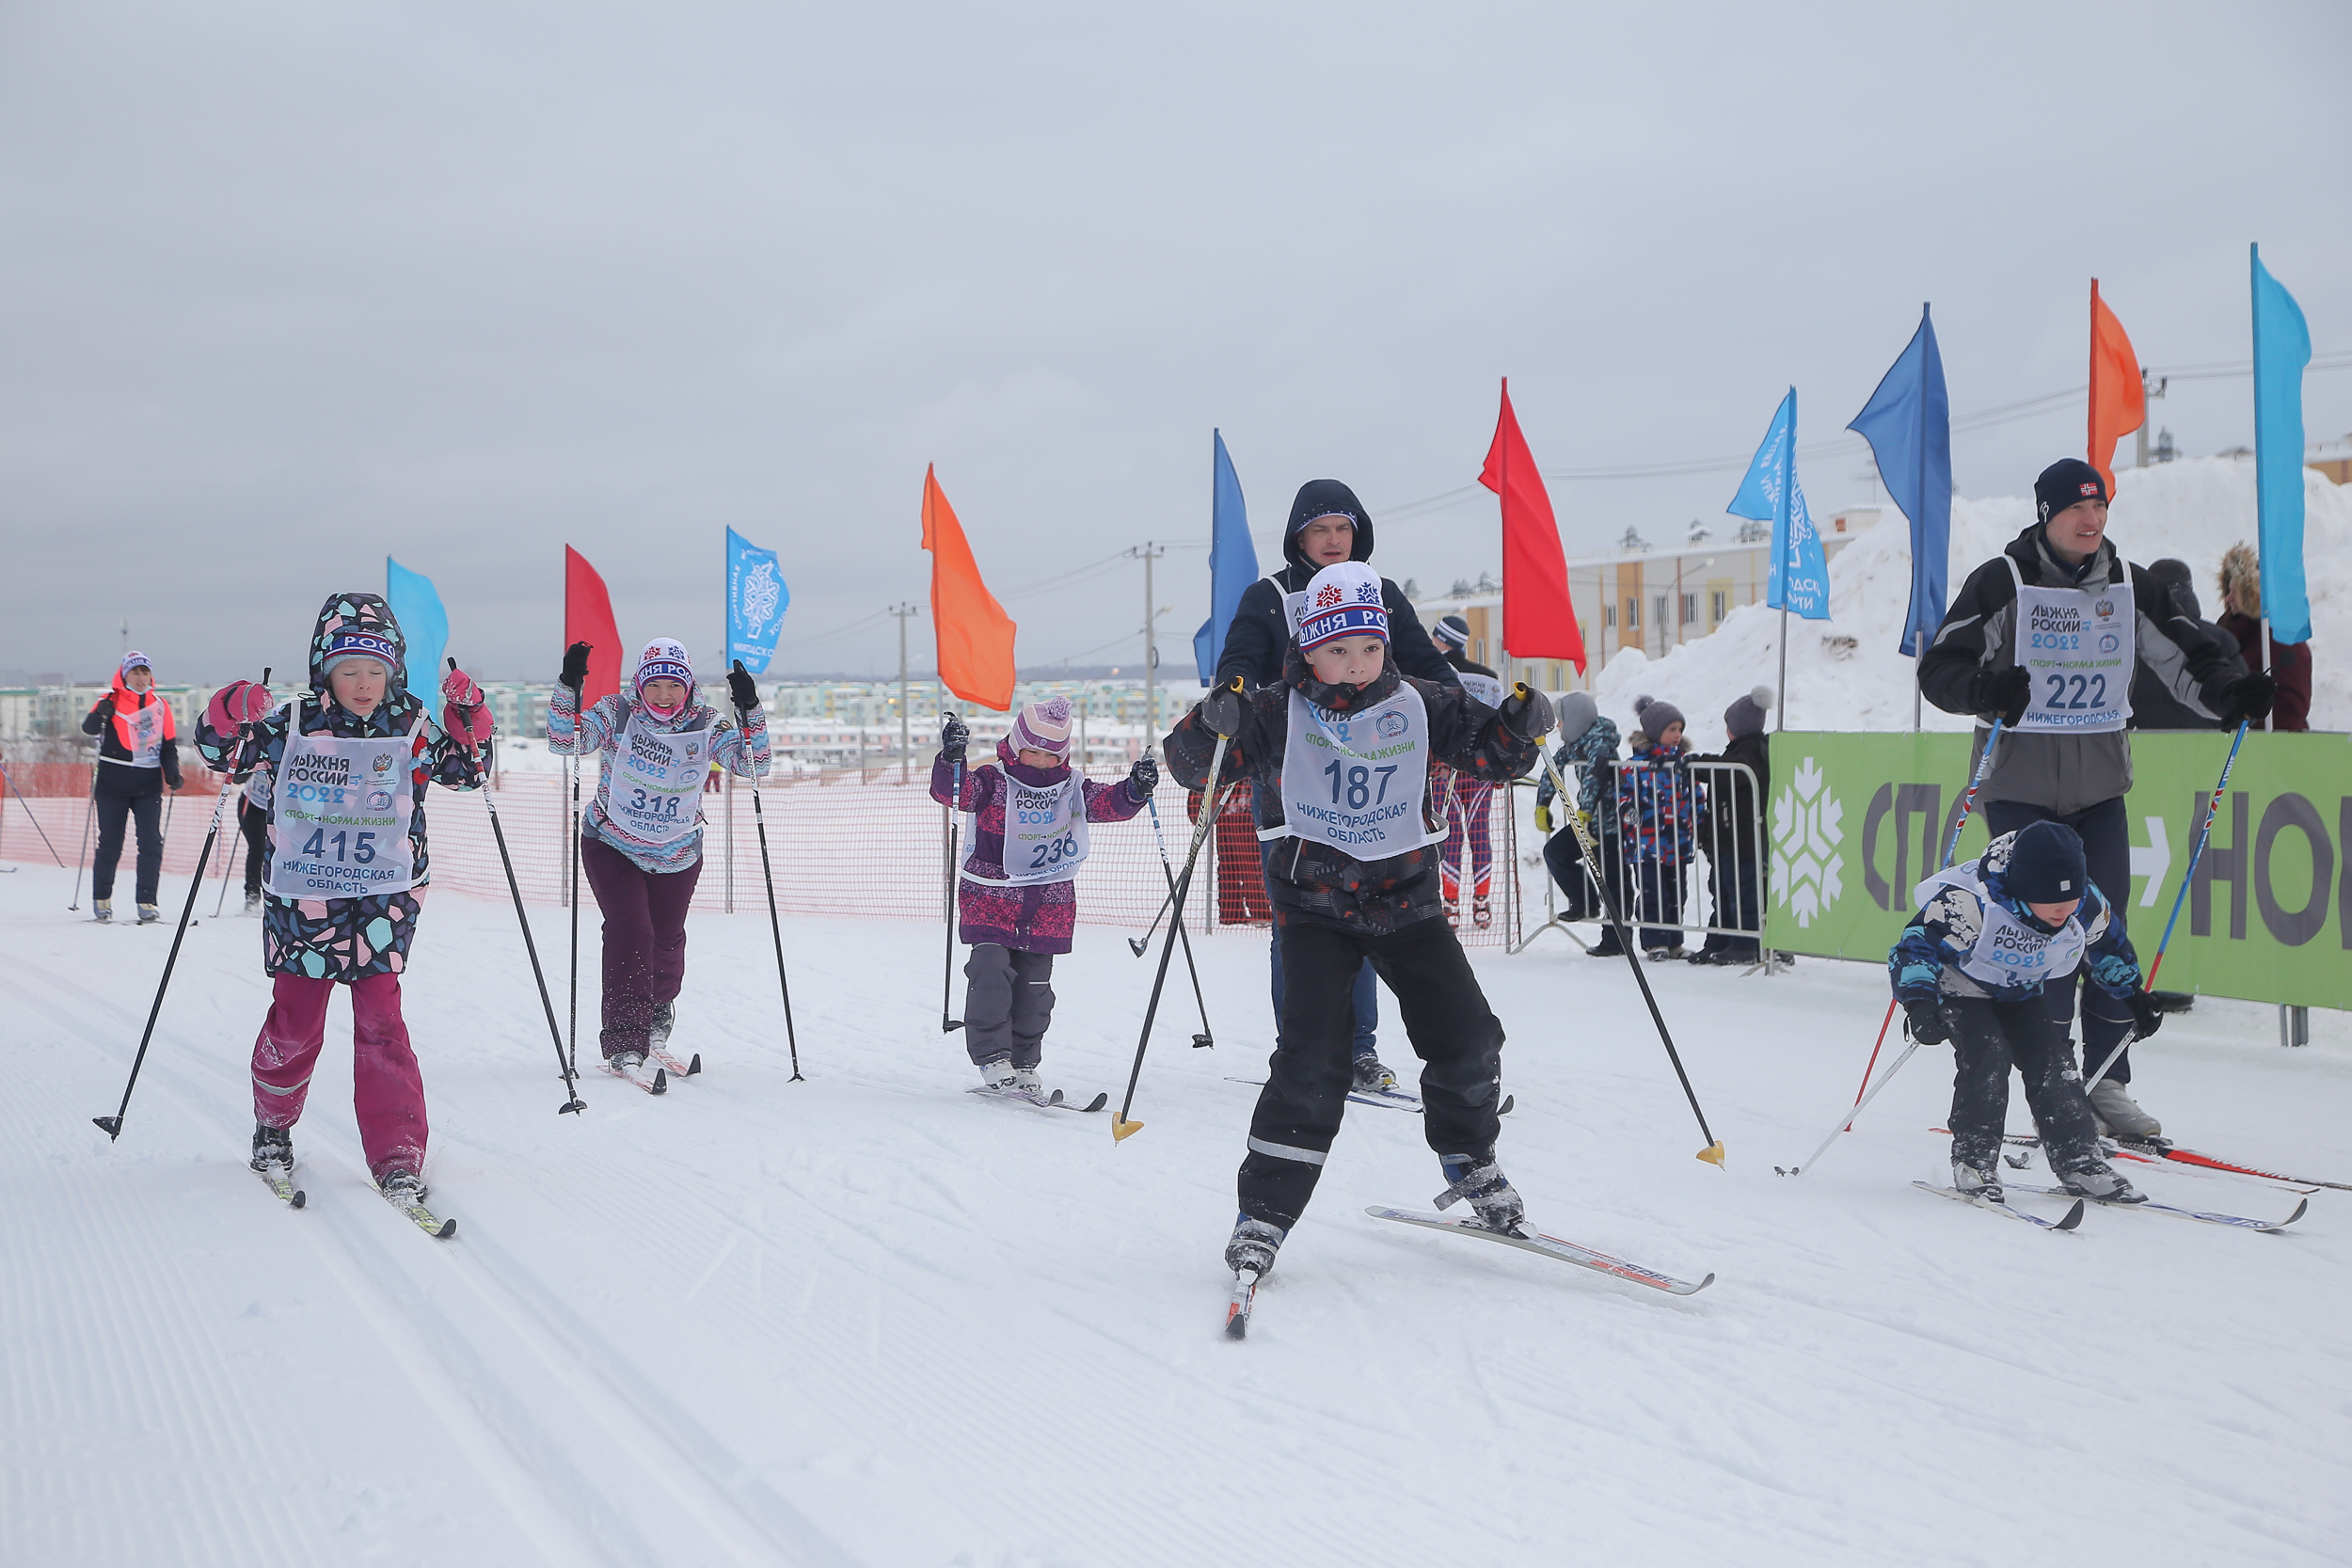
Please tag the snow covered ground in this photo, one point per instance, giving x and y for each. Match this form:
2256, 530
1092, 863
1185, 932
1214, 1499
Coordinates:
869, 1319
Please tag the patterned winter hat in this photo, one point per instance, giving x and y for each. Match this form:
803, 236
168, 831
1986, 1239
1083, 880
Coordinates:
1657, 715
135, 661
1450, 631
1042, 727
1343, 600
664, 659
358, 626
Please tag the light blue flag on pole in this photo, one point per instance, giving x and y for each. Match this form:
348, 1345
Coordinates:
423, 625
2282, 346
1799, 579
756, 600
1233, 559
1908, 422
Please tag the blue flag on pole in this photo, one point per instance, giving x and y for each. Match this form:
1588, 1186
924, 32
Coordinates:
756, 600
424, 625
1908, 422
2282, 346
1233, 559
1799, 579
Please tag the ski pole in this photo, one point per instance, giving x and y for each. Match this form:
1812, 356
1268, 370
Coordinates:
2204, 832
112, 1126
948, 1024
81, 860
571, 1091
774, 928
1714, 1152
1206, 1037
1951, 847
228, 859
1141, 945
34, 820
1848, 1119
572, 1059
1121, 1127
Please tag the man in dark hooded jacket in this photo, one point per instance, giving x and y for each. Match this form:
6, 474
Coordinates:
1327, 525
2047, 635
2153, 707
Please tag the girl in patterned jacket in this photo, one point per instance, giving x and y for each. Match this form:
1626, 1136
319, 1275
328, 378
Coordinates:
641, 840
342, 773
1017, 906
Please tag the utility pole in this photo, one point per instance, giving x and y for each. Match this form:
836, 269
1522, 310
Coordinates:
906, 743
2150, 389
1149, 552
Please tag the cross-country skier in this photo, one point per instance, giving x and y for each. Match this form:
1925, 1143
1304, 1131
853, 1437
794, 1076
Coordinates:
345, 766
1970, 967
1340, 752
641, 841
2047, 635
1469, 824
137, 755
1327, 525
1016, 899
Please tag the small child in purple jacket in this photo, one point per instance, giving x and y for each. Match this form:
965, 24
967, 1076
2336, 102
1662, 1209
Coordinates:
1016, 899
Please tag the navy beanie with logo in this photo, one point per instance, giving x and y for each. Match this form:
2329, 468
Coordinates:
2066, 482
2046, 864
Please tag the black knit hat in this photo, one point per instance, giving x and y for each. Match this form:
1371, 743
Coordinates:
2046, 864
2064, 484
1450, 631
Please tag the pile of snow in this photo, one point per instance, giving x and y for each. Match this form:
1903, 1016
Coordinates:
2191, 509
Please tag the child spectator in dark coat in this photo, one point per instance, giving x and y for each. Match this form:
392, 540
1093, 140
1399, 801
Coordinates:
1734, 857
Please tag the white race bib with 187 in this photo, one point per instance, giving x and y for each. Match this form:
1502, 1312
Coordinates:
1357, 781
1045, 833
2079, 645
340, 825
653, 791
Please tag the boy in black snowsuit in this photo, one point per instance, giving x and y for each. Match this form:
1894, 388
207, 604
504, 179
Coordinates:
1734, 868
1340, 753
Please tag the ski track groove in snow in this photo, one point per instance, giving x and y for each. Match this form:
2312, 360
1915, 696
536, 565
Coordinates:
867, 1317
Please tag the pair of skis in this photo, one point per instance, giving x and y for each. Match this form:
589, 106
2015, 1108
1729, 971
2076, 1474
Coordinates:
665, 1067
279, 1179
1393, 1099
1055, 1100
2151, 1153
1245, 1293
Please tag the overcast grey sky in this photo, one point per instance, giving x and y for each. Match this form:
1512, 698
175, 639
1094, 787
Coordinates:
286, 287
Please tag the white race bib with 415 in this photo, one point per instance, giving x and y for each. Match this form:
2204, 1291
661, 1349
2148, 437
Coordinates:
654, 790
340, 823
2079, 645
1356, 781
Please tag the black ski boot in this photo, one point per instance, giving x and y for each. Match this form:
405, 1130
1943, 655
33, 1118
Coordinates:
272, 1146
1982, 1181
1477, 1177
1371, 1075
1253, 1246
664, 1019
2098, 1180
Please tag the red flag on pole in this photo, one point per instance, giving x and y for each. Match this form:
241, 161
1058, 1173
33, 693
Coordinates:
1538, 617
2118, 403
975, 633
588, 618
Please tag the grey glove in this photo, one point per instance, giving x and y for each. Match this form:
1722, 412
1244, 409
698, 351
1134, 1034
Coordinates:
1527, 712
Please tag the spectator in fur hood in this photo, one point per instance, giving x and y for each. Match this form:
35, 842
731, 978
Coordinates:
2242, 619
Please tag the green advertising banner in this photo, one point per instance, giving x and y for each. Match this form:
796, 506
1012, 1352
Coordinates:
1856, 821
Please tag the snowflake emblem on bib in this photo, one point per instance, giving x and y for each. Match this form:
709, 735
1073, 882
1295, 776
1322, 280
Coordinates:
1808, 827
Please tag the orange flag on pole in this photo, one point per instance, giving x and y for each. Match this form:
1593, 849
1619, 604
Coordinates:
975, 633
2118, 404
1538, 617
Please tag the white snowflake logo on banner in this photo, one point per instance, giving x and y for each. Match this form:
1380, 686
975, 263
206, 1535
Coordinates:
762, 593
1808, 826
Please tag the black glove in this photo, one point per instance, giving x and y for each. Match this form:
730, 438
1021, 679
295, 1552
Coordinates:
1221, 710
2146, 1017
1527, 713
1144, 776
1928, 1026
952, 735
2248, 700
575, 668
742, 689
2005, 691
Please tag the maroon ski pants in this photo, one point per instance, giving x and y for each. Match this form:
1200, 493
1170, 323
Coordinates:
644, 940
387, 1091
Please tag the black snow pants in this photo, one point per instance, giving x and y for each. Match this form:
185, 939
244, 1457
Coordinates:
1452, 1031
253, 823
2106, 837
114, 813
1987, 1038
1008, 1003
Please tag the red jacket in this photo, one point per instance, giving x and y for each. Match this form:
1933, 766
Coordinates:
2290, 666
